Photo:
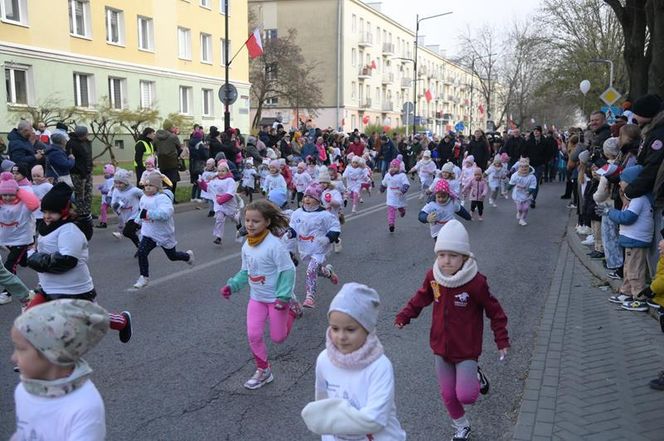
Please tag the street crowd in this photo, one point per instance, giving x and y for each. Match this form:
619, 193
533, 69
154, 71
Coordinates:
311, 179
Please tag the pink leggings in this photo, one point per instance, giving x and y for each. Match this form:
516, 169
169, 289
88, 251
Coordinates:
522, 209
355, 197
392, 214
281, 323
103, 213
458, 384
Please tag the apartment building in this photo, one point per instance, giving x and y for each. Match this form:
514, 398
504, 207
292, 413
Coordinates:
163, 54
364, 60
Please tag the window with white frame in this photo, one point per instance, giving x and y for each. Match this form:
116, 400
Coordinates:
14, 11
185, 100
79, 18
353, 121
147, 94
222, 6
145, 33
17, 82
208, 102
353, 57
269, 34
353, 23
353, 90
83, 90
224, 57
114, 26
271, 71
205, 3
272, 101
184, 43
117, 91
206, 48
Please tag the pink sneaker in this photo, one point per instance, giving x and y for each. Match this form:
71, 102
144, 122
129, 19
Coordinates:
333, 276
309, 303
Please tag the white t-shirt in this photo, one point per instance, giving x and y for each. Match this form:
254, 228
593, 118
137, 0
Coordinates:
332, 201
218, 187
394, 184
264, 262
67, 240
162, 231
17, 225
249, 177
642, 229
207, 176
274, 182
355, 177
77, 416
128, 201
370, 390
444, 213
495, 175
426, 171
522, 184
301, 181
311, 225
40, 190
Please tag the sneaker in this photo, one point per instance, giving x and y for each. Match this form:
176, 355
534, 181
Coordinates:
260, 378
614, 275
571, 206
635, 305
217, 241
462, 202
117, 235
658, 383
590, 240
5, 298
125, 334
337, 247
490, 201
479, 218
533, 204
142, 282
586, 230
333, 276
620, 298
494, 205
461, 434
653, 305
309, 303
391, 228
596, 255
191, 260
101, 225
522, 222
484, 381
402, 212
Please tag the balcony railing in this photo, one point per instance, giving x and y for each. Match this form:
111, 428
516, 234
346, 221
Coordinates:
364, 72
366, 103
406, 82
387, 106
366, 39
388, 49
388, 78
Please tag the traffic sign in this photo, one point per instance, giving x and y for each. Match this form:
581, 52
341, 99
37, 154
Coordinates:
610, 96
459, 127
611, 113
408, 107
228, 94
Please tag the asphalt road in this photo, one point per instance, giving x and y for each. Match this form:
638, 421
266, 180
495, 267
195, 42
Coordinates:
181, 376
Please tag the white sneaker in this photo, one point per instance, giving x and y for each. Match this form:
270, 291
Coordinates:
586, 230
490, 201
117, 235
260, 378
590, 240
462, 202
191, 257
142, 282
5, 298
522, 222
337, 247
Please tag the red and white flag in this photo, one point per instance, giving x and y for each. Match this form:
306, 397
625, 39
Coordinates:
255, 44
428, 95
373, 64
481, 109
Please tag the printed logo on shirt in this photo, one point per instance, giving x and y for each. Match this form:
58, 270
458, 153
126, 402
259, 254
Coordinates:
461, 300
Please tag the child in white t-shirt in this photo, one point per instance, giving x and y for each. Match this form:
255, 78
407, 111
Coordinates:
222, 190
40, 186
56, 399
209, 173
249, 175
354, 378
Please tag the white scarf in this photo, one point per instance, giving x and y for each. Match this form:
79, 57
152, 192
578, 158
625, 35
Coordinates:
460, 278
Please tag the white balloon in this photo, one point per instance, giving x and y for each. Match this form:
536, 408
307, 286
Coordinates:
584, 86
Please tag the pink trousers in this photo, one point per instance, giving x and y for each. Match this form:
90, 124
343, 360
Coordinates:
281, 322
458, 383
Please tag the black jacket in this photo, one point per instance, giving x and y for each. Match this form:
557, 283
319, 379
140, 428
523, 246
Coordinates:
536, 151
515, 147
480, 151
599, 136
82, 151
650, 157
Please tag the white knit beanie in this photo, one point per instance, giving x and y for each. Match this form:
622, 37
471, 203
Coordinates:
358, 301
453, 237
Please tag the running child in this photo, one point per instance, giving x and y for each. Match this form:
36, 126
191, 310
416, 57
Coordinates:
495, 174
209, 173
157, 228
270, 274
368, 178
150, 168
222, 190
467, 173
355, 176
396, 184
125, 200
460, 296
249, 175
332, 201
354, 392
338, 182
426, 170
442, 209
523, 184
316, 229
477, 191
274, 180
40, 186
105, 188
302, 179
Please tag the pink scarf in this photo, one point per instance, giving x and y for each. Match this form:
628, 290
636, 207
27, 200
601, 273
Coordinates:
370, 351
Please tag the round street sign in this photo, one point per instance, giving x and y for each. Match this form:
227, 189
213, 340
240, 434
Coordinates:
228, 94
408, 107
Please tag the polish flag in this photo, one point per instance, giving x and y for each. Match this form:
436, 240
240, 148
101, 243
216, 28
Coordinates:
254, 44
481, 109
428, 95
373, 64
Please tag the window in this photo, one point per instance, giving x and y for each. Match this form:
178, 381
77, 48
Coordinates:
117, 90
224, 58
270, 34
353, 90
185, 100
147, 94
145, 34
114, 26
353, 57
79, 18
353, 23
271, 71
353, 121
15, 11
16, 82
83, 90
272, 101
184, 43
205, 3
208, 102
223, 4
206, 48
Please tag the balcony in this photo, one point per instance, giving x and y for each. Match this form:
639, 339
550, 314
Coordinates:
449, 80
366, 39
406, 82
388, 49
451, 99
388, 78
364, 73
366, 103
387, 106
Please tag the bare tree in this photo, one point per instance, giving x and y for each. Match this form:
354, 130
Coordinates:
134, 121
50, 111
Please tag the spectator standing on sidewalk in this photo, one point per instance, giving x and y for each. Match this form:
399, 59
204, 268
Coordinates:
168, 147
537, 151
81, 174
24, 147
142, 151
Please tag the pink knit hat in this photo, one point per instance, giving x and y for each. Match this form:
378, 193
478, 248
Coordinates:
442, 187
395, 163
7, 184
275, 163
314, 190
109, 169
150, 161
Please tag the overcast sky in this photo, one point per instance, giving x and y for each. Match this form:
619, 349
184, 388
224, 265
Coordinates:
444, 30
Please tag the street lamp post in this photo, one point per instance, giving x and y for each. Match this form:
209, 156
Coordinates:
417, 34
610, 63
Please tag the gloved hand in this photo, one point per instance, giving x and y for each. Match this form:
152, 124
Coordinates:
404, 188
383, 188
115, 207
226, 292
280, 305
431, 218
144, 214
601, 210
322, 241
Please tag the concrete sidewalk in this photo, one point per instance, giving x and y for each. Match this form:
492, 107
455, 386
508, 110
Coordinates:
592, 361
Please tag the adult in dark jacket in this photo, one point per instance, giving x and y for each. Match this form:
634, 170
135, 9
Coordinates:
601, 130
480, 149
81, 174
229, 145
251, 151
387, 153
24, 147
515, 147
142, 151
58, 163
445, 150
309, 149
537, 151
198, 154
168, 148
214, 143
